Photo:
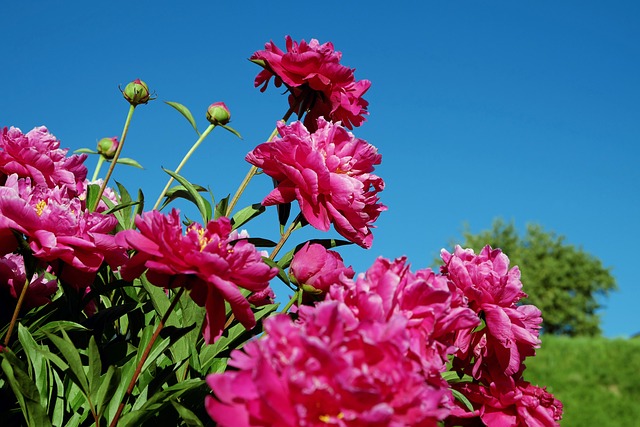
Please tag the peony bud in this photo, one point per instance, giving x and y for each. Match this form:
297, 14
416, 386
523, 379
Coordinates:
218, 114
108, 146
315, 269
137, 92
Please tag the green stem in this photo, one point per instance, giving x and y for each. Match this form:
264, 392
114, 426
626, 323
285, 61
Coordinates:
183, 162
285, 236
115, 157
17, 310
253, 170
143, 359
98, 167
293, 299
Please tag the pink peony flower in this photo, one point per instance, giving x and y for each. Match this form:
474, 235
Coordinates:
211, 261
423, 298
317, 81
329, 172
317, 268
37, 155
59, 228
327, 369
513, 404
492, 290
13, 278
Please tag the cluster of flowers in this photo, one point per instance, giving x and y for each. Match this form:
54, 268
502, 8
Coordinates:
43, 208
374, 350
365, 351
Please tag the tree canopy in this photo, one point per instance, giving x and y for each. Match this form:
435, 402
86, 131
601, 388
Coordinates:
562, 280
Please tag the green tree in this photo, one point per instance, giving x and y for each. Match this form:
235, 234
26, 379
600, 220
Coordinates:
563, 281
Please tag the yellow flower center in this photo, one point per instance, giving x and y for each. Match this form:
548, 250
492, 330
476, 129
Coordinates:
40, 207
202, 239
327, 418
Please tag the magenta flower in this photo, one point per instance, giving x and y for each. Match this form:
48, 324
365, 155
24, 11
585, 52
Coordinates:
492, 289
315, 268
319, 84
329, 172
513, 404
423, 298
59, 228
13, 278
37, 155
211, 261
327, 369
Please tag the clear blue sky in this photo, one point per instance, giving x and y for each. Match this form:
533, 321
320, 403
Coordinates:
522, 110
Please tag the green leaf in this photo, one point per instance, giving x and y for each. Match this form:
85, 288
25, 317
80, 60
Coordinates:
108, 385
185, 112
284, 210
462, 398
37, 361
257, 241
158, 401
232, 130
203, 205
95, 367
56, 399
140, 207
25, 391
124, 216
247, 214
84, 150
282, 275
92, 194
119, 207
159, 299
129, 162
72, 357
57, 325
187, 415
123, 377
179, 191
221, 208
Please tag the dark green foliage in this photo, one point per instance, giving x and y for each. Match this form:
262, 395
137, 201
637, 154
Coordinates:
562, 280
596, 379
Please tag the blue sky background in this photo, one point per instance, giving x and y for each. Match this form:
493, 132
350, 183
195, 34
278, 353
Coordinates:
522, 110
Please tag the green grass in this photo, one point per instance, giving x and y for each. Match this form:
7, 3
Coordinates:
597, 379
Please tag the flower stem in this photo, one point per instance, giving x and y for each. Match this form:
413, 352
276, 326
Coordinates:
253, 170
293, 299
285, 236
16, 311
144, 356
98, 167
115, 157
183, 162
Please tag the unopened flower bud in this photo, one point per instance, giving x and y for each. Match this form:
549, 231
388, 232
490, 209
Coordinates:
315, 269
108, 146
218, 114
137, 92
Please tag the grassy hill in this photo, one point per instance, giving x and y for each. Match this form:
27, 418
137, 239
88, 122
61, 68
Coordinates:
597, 379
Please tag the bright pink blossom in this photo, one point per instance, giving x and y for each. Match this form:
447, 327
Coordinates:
512, 403
329, 172
319, 84
423, 298
37, 155
492, 291
13, 278
316, 267
330, 368
211, 261
60, 228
